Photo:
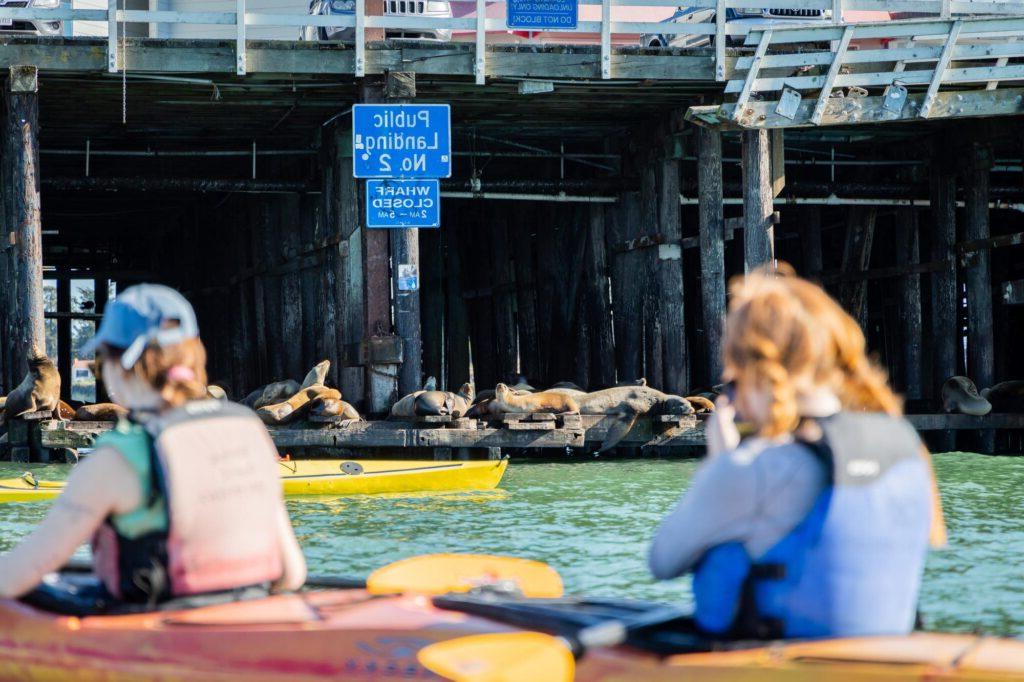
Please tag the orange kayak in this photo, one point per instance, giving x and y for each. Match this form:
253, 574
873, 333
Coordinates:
349, 634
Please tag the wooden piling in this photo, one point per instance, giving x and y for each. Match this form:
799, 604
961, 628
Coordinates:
908, 254
456, 347
28, 330
860, 235
810, 242
523, 241
502, 295
63, 358
597, 302
978, 269
945, 335
758, 207
712, 246
669, 267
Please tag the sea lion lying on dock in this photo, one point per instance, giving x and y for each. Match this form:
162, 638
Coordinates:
296, 406
701, 404
509, 401
335, 407
959, 394
65, 411
272, 393
1006, 396
627, 404
38, 391
101, 412
435, 403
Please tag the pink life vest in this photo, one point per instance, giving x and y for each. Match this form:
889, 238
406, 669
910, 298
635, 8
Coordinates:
213, 468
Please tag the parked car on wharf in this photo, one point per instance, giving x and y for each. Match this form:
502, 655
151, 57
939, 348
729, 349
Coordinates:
436, 9
34, 27
752, 18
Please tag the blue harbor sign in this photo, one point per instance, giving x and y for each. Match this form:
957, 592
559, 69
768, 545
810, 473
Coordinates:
401, 141
539, 15
403, 203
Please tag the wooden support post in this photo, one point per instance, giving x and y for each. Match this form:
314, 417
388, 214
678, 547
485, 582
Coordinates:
908, 253
457, 317
63, 350
504, 321
945, 335
978, 276
758, 229
526, 289
810, 242
597, 309
712, 246
860, 234
28, 330
669, 268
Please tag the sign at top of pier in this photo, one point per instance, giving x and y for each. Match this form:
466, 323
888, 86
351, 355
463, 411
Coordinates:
401, 141
542, 15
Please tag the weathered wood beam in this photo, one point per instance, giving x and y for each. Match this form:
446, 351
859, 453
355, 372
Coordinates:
712, 247
871, 109
860, 235
810, 242
758, 205
978, 266
204, 56
908, 253
945, 336
669, 268
22, 129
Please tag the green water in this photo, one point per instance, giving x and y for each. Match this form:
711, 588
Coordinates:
592, 519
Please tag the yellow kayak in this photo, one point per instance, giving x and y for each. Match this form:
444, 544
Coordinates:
329, 477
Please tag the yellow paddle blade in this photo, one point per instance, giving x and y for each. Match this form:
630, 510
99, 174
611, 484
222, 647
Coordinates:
503, 657
444, 573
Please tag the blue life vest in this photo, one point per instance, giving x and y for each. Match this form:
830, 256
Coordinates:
853, 566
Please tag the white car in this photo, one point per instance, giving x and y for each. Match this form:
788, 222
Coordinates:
439, 9
34, 27
753, 18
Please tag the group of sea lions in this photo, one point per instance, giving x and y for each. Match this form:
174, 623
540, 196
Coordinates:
284, 402
624, 403
959, 394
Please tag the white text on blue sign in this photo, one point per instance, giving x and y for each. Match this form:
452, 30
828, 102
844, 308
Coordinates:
401, 141
543, 14
403, 203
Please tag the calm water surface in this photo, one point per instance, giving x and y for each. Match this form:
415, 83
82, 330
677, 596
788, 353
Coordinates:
592, 520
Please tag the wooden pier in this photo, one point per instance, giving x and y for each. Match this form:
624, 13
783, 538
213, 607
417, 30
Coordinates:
602, 195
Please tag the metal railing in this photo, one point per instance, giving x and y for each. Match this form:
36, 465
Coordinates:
717, 28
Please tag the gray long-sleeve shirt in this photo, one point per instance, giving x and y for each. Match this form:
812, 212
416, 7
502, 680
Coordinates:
754, 494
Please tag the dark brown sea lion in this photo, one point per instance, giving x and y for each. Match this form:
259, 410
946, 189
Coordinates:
1006, 396
959, 394
627, 404
509, 401
39, 390
100, 412
65, 411
272, 393
297, 405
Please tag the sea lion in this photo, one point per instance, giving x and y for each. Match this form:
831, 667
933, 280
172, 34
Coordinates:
273, 393
38, 391
297, 405
1006, 396
65, 411
442, 403
316, 376
626, 404
101, 412
959, 394
335, 407
509, 401
216, 392
701, 404
567, 385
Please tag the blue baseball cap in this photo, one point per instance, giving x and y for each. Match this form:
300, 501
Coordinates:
139, 316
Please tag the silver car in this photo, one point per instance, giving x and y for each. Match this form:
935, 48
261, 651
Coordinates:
752, 17
438, 9
35, 27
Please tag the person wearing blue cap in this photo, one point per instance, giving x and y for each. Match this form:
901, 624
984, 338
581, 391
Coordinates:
180, 499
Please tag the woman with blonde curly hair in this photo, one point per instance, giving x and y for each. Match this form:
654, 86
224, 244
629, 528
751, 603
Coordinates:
817, 524
180, 499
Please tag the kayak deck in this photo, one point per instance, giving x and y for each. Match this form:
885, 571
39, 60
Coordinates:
330, 477
347, 634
